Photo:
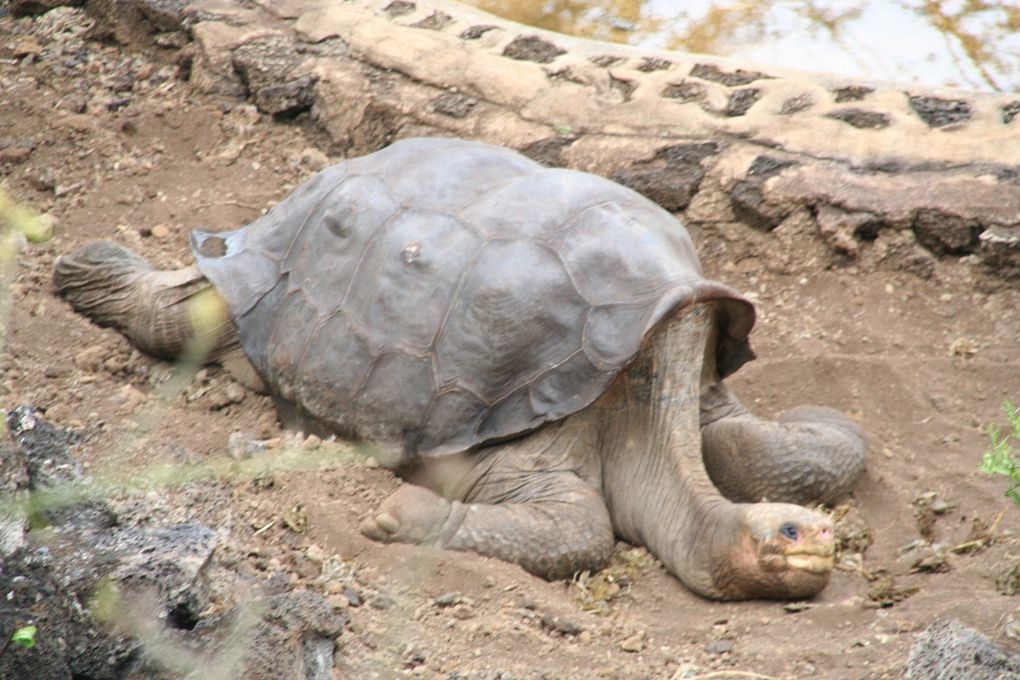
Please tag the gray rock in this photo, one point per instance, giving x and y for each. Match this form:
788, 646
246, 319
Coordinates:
51, 582
948, 650
45, 453
560, 624
267, 68
149, 575
13, 490
69, 642
717, 647
21, 8
946, 234
244, 445
284, 636
1000, 250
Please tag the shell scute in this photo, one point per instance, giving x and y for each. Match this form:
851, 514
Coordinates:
512, 411
407, 277
565, 195
393, 402
515, 314
334, 368
338, 230
452, 422
563, 388
618, 254
427, 185
288, 344
613, 332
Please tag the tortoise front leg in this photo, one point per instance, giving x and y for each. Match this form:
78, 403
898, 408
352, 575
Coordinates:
550, 522
810, 454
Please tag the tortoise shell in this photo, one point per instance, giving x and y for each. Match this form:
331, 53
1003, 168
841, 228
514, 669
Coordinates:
439, 294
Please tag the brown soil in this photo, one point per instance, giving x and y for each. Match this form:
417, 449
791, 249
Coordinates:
113, 145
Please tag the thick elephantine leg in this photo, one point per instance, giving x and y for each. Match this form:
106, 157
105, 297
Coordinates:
550, 522
163, 313
810, 454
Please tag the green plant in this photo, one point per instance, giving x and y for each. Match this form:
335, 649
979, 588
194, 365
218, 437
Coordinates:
23, 636
1002, 459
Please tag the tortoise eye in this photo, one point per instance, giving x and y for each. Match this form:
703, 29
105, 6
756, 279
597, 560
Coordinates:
789, 531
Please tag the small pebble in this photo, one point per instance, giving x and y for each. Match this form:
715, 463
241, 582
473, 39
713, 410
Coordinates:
560, 624
235, 393
15, 154
719, 647
447, 599
90, 359
795, 607
633, 644
114, 364
315, 553
462, 612
42, 180
242, 445
382, 601
130, 397
525, 602
42, 228
314, 159
354, 599
337, 601
26, 47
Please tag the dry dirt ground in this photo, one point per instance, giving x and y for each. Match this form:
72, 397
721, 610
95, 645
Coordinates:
112, 144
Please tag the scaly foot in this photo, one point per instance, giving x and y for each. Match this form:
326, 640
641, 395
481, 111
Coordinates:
413, 514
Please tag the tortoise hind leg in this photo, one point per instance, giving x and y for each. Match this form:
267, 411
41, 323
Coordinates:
163, 313
810, 454
550, 522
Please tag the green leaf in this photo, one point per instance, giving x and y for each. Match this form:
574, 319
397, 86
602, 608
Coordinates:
1001, 459
24, 637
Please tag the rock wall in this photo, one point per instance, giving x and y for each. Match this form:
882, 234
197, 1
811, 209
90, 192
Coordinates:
925, 173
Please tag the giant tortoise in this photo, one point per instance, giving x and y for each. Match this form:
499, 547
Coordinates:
535, 348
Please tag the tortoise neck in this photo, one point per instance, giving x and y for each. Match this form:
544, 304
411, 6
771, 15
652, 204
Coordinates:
656, 486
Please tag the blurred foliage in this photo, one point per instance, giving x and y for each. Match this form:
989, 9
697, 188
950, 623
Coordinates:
1002, 458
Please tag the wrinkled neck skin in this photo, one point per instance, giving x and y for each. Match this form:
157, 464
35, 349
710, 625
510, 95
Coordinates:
653, 477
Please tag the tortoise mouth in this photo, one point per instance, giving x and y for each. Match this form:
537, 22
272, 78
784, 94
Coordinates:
813, 562
817, 559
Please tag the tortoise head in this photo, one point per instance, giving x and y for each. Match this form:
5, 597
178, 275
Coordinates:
783, 551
